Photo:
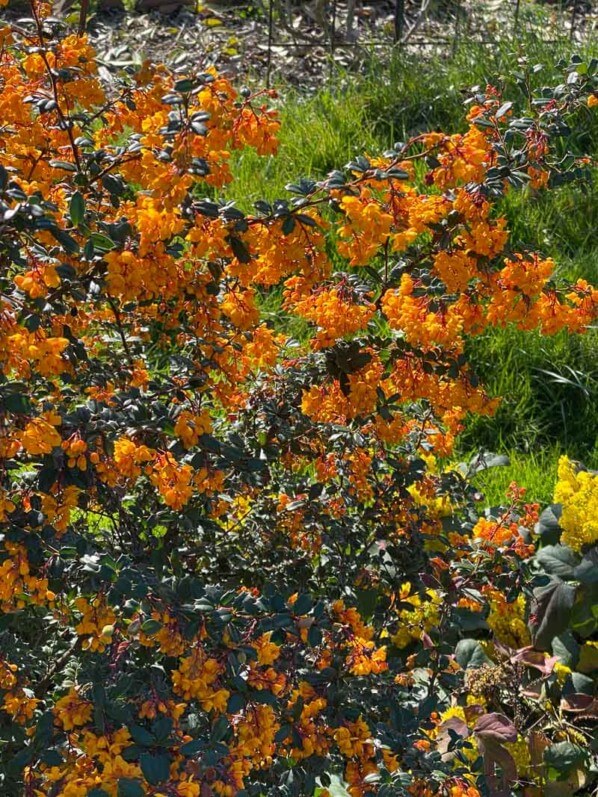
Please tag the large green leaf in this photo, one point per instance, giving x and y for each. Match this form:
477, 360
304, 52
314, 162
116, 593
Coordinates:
558, 560
470, 654
564, 755
553, 604
548, 526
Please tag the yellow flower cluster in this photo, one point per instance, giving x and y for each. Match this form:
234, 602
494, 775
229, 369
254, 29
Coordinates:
96, 624
19, 701
577, 491
18, 586
190, 427
72, 711
414, 623
196, 679
507, 620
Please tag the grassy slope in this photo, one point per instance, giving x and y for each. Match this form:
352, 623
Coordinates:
542, 415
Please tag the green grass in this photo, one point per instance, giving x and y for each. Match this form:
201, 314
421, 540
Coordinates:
542, 414
535, 471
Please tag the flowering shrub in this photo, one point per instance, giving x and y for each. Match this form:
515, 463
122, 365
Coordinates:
236, 563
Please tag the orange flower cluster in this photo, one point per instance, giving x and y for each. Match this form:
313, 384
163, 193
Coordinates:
173, 466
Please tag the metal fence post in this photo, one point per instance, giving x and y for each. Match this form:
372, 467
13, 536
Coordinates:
270, 39
517, 8
399, 20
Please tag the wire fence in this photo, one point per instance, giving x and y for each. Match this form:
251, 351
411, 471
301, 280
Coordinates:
417, 26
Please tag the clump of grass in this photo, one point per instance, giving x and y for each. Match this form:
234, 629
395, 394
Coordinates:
537, 472
549, 388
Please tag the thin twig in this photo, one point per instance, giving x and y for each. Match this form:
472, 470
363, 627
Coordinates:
41, 687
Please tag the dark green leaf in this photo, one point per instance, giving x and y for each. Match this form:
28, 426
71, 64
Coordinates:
236, 703
17, 403
548, 524
587, 570
77, 209
302, 605
240, 250
288, 225
155, 767
67, 242
130, 787
151, 626
470, 654
101, 243
141, 735
564, 755
558, 560
64, 165
220, 729
184, 86
192, 748
553, 603
566, 649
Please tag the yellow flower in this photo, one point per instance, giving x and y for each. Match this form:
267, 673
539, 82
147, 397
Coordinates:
588, 657
577, 491
72, 710
507, 621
